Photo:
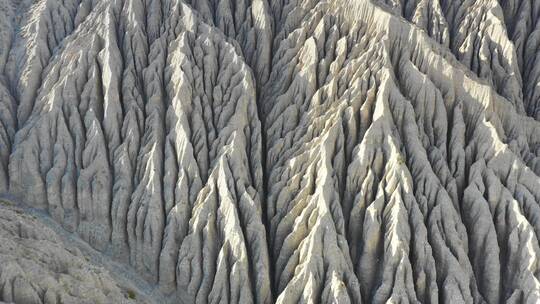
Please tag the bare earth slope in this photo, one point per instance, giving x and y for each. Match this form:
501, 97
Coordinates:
42, 264
283, 151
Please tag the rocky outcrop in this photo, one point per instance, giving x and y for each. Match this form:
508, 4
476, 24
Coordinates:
293, 151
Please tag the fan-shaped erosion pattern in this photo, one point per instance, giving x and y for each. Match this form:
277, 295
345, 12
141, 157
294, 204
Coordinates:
269, 151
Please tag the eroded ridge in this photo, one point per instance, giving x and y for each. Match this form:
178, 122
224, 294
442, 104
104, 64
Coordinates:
289, 151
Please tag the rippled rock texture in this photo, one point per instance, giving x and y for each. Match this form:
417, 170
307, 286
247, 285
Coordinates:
277, 151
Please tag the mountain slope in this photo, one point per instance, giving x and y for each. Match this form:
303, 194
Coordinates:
42, 264
287, 151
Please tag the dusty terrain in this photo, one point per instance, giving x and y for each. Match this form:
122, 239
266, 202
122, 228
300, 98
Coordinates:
270, 151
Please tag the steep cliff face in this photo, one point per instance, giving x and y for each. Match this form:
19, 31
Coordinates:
290, 151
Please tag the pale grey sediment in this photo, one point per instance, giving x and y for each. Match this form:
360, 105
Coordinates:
289, 151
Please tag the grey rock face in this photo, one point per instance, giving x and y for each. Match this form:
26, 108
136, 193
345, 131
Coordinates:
256, 151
